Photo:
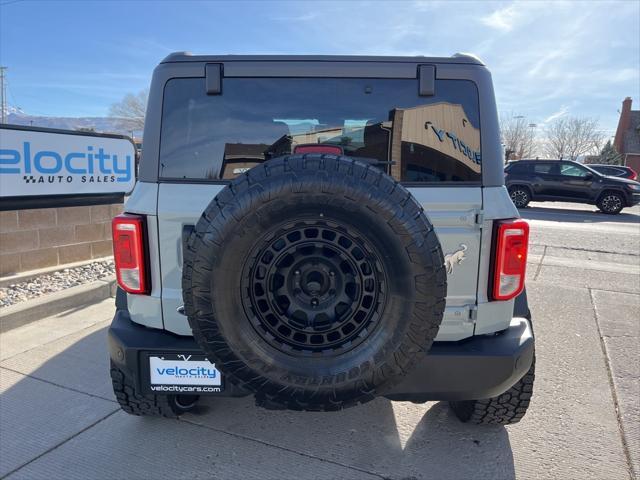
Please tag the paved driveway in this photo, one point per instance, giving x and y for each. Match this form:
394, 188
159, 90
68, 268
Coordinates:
58, 417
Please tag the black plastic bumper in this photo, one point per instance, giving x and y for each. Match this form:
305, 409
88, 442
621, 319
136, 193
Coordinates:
476, 368
130, 343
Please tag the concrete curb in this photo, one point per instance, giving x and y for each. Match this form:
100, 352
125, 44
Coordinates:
31, 274
47, 305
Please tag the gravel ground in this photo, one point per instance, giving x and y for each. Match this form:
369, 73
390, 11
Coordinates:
54, 282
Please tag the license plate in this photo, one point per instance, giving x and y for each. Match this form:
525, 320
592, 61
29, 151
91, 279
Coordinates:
172, 373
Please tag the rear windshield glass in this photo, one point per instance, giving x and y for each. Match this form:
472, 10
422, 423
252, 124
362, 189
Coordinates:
608, 170
517, 168
383, 121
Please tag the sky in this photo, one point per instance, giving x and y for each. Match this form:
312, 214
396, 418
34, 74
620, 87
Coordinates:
548, 59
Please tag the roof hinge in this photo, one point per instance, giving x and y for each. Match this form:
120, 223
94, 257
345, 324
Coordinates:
213, 78
426, 80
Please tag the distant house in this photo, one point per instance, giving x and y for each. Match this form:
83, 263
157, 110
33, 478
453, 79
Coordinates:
627, 139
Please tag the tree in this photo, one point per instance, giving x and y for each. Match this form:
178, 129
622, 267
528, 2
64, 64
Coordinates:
570, 137
130, 110
518, 137
609, 155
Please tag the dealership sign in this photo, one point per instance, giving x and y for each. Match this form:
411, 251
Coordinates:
43, 162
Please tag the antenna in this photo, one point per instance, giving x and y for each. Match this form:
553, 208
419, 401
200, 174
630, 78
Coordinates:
3, 96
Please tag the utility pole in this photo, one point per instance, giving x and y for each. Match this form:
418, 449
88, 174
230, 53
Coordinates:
3, 98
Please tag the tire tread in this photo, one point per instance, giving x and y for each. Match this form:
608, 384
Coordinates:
135, 403
505, 409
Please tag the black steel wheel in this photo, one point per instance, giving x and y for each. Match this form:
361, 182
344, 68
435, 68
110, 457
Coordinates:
314, 288
314, 281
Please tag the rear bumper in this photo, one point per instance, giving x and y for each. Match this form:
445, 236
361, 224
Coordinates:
633, 199
130, 343
476, 368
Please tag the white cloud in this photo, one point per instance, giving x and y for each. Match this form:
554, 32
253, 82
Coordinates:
502, 19
547, 59
518, 13
555, 115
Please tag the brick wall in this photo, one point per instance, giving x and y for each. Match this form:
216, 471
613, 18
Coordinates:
632, 160
31, 239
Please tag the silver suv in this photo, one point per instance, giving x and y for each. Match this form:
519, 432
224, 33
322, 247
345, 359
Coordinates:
318, 231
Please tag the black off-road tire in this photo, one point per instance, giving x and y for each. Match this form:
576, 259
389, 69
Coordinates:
506, 409
332, 206
611, 203
134, 403
520, 196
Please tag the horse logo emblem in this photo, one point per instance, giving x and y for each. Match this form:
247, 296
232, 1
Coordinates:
455, 258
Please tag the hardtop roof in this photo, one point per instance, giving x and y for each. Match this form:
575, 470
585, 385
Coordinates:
458, 58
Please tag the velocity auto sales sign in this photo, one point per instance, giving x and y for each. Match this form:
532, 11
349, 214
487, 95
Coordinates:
36, 162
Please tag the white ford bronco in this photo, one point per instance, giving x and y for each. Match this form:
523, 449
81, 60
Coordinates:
319, 231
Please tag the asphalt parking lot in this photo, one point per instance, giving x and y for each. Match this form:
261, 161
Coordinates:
59, 419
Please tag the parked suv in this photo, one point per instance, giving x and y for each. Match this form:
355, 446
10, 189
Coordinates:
320, 231
615, 171
565, 181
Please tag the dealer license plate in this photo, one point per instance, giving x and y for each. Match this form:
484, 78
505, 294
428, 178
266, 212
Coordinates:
187, 374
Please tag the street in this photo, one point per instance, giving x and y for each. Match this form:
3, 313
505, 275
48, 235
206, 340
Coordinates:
60, 419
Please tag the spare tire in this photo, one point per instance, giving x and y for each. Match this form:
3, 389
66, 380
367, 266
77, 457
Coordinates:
314, 281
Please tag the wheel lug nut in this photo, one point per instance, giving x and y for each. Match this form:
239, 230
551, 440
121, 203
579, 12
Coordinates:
332, 273
297, 272
314, 302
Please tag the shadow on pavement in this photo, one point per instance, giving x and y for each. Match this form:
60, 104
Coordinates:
577, 215
68, 396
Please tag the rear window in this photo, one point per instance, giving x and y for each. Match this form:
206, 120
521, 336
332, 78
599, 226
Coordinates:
612, 171
385, 121
517, 168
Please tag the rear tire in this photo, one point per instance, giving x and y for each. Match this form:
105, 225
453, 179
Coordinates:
611, 203
505, 409
135, 403
520, 196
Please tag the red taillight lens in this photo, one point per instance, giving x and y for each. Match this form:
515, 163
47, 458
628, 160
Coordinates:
330, 149
512, 244
128, 233
634, 175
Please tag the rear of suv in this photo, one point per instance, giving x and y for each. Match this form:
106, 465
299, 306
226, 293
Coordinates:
318, 232
566, 181
615, 171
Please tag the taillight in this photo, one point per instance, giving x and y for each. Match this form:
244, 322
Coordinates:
318, 148
510, 259
128, 233
634, 175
